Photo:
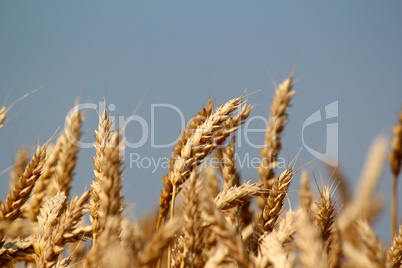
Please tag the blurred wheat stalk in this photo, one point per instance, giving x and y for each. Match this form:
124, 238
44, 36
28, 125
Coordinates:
212, 223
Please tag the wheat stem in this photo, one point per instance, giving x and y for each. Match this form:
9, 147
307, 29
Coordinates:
394, 205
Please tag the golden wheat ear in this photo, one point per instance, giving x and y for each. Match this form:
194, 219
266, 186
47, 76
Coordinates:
395, 251
20, 162
102, 136
395, 158
277, 119
16, 198
308, 241
206, 136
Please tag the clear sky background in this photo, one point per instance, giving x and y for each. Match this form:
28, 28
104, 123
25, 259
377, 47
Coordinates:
179, 52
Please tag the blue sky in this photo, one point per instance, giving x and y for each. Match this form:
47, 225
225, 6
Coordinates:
178, 53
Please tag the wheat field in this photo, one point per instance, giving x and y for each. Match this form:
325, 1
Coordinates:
208, 216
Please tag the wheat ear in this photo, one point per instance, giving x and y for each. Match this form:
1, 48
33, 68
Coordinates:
206, 137
40, 189
110, 200
54, 241
18, 249
95, 256
47, 220
275, 200
272, 252
309, 243
374, 250
67, 154
395, 158
110, 204
3, 116
20, 162
305, 195
224, 231
226, 165
238, 195
102, 136
211, 180
196, 121
11, 208
272, 245
361, 206
193, 230
272, 145
341, 182
325, 217
152, 250
395, 251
